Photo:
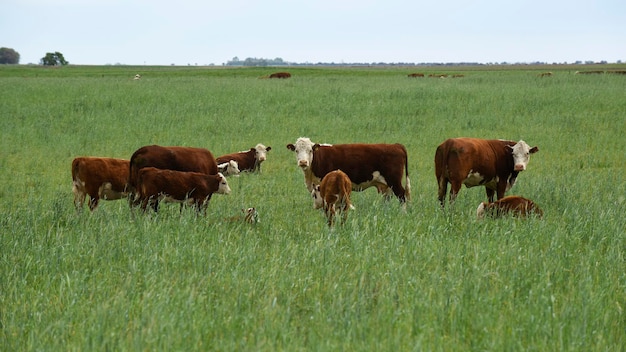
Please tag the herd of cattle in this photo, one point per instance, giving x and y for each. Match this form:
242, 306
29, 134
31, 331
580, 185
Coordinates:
192, 175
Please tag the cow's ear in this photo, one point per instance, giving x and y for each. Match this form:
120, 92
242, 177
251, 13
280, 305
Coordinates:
268, 149
291, 147
316, 146
534, 150
252, 150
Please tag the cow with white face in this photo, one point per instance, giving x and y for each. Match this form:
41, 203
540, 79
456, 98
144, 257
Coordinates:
248, 160
230, 168
472, 162
367, 165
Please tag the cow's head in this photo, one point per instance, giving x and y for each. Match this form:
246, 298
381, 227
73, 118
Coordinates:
223, 187
230, 168
318, 202
521, 155
304, 152
260, 152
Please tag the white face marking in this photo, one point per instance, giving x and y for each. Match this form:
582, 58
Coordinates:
304, 152
223, 187
261, 152
229, 168
521, 155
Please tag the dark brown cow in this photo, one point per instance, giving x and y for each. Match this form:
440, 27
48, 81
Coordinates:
171, 158
249, 160
99, 178
154, 185
367, 165
494, 164
280, 75
415, 75
545, 74
332, 193
514, 205
589, 72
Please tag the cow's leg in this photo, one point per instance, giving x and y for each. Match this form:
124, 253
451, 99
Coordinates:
455, 187
443, 189
502, 186
490, 192
93, 202
344, 212
79, 199
330, 213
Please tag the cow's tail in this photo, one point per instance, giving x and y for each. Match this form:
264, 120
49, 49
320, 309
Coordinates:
407, 193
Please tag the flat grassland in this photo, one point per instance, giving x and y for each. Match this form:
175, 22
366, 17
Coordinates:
425, 279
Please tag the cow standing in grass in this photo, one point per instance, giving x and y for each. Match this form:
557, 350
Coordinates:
494, 164
154, 185
333, 194
100, 178
249, 160
367, 165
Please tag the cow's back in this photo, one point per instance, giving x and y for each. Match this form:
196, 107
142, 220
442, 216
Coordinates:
172, 158
359, 161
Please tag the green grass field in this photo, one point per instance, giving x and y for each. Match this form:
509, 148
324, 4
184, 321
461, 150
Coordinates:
388, 280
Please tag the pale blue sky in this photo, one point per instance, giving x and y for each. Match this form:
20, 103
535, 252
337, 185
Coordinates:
157, 32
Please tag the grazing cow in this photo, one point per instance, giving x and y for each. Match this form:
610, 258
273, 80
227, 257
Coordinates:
545, 74
514, 205
154, 185
438, 75
458, 75
229, 168
589, 72
415, 75
171, 158
249, 160
99, 178
494, 164
367, 165
333, 193
280, 75
137, 77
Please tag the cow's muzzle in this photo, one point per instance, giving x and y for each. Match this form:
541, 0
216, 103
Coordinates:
519, 167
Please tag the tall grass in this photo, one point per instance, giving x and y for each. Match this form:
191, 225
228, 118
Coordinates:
424, 279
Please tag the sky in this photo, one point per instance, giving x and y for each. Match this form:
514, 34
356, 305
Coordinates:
203, 32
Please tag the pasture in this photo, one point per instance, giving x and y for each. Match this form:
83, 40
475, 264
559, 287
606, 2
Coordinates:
387, 280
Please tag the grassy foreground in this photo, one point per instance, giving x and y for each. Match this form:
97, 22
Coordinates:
388, 280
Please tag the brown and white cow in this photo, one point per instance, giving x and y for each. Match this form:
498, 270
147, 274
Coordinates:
249, 160
333, 194
230, 168
280, 75
367, 165
154, 185
513, 205
99, 178
494, 164
170, 158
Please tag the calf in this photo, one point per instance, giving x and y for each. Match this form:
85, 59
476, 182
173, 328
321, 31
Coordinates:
333, 193
249, 160
494, 164
514, 205
99, 178
171, 158
229, 168
154, 185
